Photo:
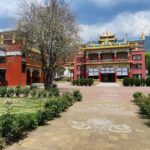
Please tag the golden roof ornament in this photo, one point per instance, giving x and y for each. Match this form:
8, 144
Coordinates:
143, 36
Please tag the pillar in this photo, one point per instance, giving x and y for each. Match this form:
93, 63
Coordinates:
115, 56
99, 77
31, 71
99, 57
115, 76
40, 76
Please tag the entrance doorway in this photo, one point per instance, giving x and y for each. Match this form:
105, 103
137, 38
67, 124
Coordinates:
108, 77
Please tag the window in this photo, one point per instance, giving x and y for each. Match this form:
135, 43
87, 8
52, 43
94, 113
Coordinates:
93, 72
137, 66
2, 59
23, 67
136, 57
2, 75
107, 70
79, 60
122, 71
137, 76
80, 68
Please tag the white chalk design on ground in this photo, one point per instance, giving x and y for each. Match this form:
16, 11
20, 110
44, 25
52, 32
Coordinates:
102, 125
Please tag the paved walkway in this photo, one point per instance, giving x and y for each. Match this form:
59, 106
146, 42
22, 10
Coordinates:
108, 84
105, 120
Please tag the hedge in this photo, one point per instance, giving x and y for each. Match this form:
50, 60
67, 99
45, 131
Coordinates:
82, 81
136, 82
143, 101
28, 92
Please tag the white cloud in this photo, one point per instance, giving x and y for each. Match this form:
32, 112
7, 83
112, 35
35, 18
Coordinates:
133, 24
10, 8
113, 2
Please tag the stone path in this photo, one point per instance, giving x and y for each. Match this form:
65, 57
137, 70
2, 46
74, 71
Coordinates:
108, 85
105, 120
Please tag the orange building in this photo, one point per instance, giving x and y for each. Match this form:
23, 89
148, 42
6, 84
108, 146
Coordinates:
18, 67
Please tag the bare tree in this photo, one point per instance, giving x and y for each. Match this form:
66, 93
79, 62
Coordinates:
50, 27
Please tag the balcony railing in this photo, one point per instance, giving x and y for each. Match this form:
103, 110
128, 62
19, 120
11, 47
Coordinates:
108, 60
33, 62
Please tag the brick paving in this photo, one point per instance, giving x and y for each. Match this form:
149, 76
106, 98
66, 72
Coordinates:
106, 119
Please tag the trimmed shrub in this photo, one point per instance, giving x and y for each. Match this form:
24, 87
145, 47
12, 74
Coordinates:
137, 82
143, 82
90, 81
126, 81
77, 96
78, 82
3, 91
10, 92
74, 82
148, 81
26, 92
131, 81
18, 91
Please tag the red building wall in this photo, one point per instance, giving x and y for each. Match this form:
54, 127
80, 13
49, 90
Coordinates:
142, 62
14, 75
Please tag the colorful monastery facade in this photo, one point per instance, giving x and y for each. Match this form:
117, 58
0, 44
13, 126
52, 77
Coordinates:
18, 67
110, 59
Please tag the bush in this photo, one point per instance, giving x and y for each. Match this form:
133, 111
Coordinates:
26, 92
40, 94
18, 91
131, 81
90, 81
137, 82
10, 92
78, 82
143, 82
148, 81
13, 126
3, 91
143, 102
54, 91
33, 93
74, 82
77, 96
126, 81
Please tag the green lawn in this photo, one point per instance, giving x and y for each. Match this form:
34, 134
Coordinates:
20, 105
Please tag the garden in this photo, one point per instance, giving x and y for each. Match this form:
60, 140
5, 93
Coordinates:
24, 109
136, 82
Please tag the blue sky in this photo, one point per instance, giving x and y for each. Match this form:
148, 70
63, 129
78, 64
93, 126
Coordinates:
97, 16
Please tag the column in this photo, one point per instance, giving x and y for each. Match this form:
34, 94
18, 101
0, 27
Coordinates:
86, 57
115, 56
115, 76
40, 76
99, 57
128, 55
31, 71
99, 77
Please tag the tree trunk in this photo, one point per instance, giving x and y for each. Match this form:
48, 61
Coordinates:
48, 82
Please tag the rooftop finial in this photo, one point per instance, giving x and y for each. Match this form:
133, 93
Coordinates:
143, 36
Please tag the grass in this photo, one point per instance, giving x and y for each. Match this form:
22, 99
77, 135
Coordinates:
20, 105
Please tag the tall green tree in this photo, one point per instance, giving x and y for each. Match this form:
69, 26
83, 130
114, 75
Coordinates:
50, 27
147, 58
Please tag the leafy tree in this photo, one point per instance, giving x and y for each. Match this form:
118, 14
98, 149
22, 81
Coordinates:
147, 57
50, 27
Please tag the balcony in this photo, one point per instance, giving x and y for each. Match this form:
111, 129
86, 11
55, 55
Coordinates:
107, 61
32, 62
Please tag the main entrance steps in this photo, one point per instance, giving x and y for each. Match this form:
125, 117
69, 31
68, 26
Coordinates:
102, 84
